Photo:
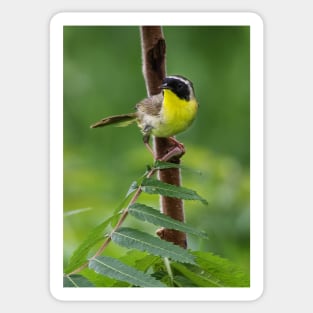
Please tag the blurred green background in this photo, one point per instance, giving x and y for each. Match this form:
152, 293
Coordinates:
103, 76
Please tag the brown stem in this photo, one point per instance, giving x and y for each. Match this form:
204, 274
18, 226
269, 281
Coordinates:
153, 51
153, 55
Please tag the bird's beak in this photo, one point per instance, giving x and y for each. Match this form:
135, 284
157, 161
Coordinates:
164, 86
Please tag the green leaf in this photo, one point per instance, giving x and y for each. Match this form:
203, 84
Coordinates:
76, 281
182, 281
159, 165
154, 186
150, 215
132, 238
212, 271
133, 187
113, 268
197, 276
147, 262
228, 273
79, 256
141, 260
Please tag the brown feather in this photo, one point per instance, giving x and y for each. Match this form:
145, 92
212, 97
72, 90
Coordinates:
115, 119
151, 106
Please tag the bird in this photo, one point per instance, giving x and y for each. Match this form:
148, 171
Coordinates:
163, 115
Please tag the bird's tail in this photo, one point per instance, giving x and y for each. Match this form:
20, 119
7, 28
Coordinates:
120, 120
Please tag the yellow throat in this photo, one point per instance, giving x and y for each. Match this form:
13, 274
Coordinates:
176, 115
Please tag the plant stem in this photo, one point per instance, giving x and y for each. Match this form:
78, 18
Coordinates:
153, 56
169, 269
118, 224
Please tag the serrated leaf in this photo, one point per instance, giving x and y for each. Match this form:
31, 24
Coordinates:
159, 165
141, 260
133, 187
148, 214
79, 256
197, 276
135, 239
227, 272
154, 186
212, 271
182, 281
76, 281
113, 268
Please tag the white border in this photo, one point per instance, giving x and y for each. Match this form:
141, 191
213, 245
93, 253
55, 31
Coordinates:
56, 157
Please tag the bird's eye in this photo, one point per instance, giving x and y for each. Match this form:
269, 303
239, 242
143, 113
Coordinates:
180, 86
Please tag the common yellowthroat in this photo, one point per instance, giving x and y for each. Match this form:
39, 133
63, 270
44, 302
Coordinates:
163, 115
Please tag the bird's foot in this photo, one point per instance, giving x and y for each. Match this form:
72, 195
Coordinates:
177, 150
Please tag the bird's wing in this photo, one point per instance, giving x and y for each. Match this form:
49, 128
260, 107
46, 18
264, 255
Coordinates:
151, 106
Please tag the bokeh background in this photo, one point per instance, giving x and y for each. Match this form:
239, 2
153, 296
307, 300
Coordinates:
103, 76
